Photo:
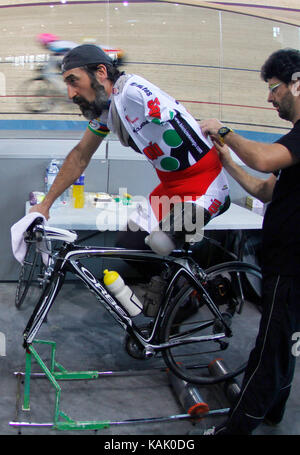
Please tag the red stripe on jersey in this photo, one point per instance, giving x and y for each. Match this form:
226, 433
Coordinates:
188, 184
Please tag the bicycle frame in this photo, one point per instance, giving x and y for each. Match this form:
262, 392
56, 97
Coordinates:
68, 259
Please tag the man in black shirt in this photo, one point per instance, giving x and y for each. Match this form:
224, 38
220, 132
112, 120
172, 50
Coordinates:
267, 380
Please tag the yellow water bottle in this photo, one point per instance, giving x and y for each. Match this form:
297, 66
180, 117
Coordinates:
78, 192
115, 284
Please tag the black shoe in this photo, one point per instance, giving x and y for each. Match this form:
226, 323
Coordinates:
270, 422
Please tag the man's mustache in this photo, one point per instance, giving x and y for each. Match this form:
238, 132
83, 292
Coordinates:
80, 101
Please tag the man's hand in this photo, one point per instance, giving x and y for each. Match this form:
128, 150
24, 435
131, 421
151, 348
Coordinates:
210, 128
224, 154
41, 209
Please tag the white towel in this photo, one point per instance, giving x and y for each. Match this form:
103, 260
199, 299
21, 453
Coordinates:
17, 235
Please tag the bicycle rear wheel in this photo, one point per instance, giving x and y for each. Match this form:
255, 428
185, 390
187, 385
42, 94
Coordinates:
31, 268
190, 315
38, 95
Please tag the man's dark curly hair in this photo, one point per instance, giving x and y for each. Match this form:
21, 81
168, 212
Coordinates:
282, 64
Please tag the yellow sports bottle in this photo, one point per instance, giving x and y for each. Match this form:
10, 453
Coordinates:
122, 292
78, 193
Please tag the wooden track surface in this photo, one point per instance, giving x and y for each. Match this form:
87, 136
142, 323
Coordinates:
207, 57
287, 11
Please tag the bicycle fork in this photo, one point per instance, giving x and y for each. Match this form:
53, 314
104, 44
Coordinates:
42, 308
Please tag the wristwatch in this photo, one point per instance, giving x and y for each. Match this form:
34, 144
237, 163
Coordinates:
223, 131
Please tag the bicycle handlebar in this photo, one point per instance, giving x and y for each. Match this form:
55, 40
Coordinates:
32, 233
37, 231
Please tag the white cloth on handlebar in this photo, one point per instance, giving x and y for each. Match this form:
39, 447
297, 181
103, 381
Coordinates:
17, 235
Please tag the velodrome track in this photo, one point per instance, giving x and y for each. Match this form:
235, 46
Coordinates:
207, 55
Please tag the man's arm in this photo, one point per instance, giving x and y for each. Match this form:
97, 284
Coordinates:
257, 155
261, 189
73, 166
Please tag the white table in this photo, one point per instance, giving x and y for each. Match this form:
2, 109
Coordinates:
113, 216
236, 217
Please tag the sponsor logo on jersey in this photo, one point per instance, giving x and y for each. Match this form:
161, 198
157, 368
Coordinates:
142, 87
138, 128
154, 108
94, 124
214, 206
153, 151
129, 119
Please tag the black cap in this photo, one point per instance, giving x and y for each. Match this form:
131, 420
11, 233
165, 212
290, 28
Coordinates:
86, 54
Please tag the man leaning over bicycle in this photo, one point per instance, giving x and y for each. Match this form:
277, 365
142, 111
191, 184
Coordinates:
151, 122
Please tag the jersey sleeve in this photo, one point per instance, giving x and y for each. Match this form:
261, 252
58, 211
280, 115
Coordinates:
153, 105
291, 142
98, 126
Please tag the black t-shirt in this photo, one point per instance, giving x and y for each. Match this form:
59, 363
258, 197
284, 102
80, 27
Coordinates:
281, 227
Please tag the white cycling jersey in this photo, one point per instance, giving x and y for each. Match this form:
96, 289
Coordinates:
163, 130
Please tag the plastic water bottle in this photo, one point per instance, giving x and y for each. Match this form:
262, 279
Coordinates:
65, 197
51, 173
78, 192
115, 284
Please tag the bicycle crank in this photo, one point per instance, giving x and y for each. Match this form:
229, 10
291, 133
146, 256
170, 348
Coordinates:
136, 349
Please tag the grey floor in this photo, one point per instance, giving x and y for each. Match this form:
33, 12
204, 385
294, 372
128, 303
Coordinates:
88, 338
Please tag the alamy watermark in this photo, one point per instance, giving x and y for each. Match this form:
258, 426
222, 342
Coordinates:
178, 215
296, 83
296, 345
2, 345
2, 84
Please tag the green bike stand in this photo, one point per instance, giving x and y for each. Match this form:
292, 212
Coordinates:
56, 372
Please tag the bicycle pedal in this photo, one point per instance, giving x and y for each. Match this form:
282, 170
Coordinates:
219, 325
149, 352
43, 280
223, 344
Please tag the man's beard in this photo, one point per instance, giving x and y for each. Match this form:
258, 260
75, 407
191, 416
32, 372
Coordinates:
285, 107
94, 109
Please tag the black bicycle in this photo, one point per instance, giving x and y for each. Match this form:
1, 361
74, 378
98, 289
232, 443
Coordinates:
37, 265
200, 315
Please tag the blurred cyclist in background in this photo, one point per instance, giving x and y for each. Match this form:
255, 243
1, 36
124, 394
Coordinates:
58, 49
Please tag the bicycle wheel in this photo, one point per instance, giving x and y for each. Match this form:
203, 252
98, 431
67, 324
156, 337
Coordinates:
44, 303
38, 95
190, 315
30, 269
